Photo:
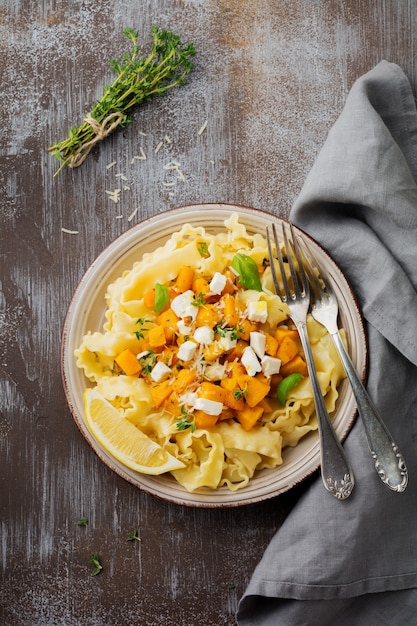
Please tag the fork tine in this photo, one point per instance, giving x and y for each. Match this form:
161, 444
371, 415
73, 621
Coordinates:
303, 284
271, 256
311, 262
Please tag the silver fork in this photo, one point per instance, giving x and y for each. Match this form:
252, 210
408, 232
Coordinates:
336, 472
389, 462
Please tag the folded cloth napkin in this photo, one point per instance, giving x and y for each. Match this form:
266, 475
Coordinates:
354, 562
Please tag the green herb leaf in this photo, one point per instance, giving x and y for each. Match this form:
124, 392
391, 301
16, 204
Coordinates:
248, 271
97, 566
240, 393
141, 321
285, 386
133, 536
185, 421
83, 521
199, 300
148, 361
161, 297
202, 248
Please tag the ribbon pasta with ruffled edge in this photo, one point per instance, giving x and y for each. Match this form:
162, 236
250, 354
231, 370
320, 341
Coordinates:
219, 446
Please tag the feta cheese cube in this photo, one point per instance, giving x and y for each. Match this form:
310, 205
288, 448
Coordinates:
187, 350
183, 328
182, 307
258, 343
250, 361
204, 335
227, 343
209, 406
258, 311
217, 283
270, 365
160, 372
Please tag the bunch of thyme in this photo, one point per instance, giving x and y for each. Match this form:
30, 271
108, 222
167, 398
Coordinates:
138, 80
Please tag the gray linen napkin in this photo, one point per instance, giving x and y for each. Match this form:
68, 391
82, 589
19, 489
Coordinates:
355, 562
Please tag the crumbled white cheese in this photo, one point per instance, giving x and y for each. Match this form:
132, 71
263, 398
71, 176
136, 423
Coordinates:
204, 335
160, 371
188, 399
187, 350
158, 147
250, 361
270, 365
132, 215
227, 343
183, 328
217, 283
209, 406
258, 343
182, 307
69, 232
257, 311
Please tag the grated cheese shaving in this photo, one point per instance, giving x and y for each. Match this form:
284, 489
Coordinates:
69, 232
203, 128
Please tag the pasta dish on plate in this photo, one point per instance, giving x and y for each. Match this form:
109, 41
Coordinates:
198, 370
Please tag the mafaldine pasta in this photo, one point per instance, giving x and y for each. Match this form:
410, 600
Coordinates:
198, 352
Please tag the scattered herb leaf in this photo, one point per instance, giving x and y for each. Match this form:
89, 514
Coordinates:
161, 297
184, 421
133, 536
199, 300
222, 330
97, 566
202, 248
148, 361
240, 393
142, 321
285, 386
248, 271
83, 521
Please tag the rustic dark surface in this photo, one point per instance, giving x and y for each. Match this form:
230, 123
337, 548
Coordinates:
270, 78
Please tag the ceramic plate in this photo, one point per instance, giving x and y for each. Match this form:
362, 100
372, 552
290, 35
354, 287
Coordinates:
86, 312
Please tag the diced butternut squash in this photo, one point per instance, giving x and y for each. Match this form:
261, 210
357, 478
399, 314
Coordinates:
185, 279
200, 285
184, 379
249, 416
212, 351
128, 363
256, 389
161, 392
149, 299
296, 365
245, 329
207, 315
231, 313
171, 405
287, 350
271, 345
280, 333
204, 420
232, 375
156, 337
169, 321
169, 355
237, 351
210, 391
233, 401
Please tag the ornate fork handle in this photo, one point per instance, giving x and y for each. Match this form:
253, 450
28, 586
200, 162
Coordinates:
389, 462
336, 472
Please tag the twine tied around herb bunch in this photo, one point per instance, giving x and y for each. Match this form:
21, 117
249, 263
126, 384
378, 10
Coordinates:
101, 131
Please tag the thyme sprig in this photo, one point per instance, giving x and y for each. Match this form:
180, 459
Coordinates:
137, 81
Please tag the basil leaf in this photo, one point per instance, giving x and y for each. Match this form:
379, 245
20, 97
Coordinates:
285, 386
248, 271
161, 297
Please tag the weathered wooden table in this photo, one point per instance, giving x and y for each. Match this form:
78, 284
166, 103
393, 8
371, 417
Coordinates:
270, 78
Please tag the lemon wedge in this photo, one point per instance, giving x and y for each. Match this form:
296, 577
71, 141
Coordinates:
123, 440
